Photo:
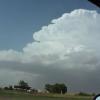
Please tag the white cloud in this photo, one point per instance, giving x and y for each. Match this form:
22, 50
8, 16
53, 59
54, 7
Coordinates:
10, 55
73, 32
67, 50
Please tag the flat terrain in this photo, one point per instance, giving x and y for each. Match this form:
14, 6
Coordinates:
8, 95
40, 98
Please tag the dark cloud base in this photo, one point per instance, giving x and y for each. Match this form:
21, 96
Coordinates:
78, 79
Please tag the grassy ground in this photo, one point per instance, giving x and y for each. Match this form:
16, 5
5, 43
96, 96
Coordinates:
8, 95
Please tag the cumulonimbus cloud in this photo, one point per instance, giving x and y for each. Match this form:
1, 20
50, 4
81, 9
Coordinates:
73, 35
66, 50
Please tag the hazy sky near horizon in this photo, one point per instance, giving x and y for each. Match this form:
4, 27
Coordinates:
49, 41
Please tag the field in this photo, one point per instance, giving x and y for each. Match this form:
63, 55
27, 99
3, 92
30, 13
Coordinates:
8, 95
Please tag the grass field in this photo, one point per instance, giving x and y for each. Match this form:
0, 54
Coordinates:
8, 95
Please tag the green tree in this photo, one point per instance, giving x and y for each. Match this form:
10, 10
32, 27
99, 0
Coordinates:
10, 87
56, 88
23, 85
49, 88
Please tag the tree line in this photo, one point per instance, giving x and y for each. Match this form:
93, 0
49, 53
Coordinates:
49, 88
56, 88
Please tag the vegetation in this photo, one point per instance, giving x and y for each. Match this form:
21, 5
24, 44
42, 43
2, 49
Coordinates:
14, 95
85, 94
56, 88
22, 91
22, 85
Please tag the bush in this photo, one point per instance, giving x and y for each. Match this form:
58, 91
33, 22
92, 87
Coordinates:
83, 94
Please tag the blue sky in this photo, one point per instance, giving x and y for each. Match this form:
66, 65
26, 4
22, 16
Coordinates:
19, 19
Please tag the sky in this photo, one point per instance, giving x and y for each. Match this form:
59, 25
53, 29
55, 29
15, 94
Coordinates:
50, 41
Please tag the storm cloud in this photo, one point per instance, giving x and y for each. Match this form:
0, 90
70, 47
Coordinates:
67, 50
